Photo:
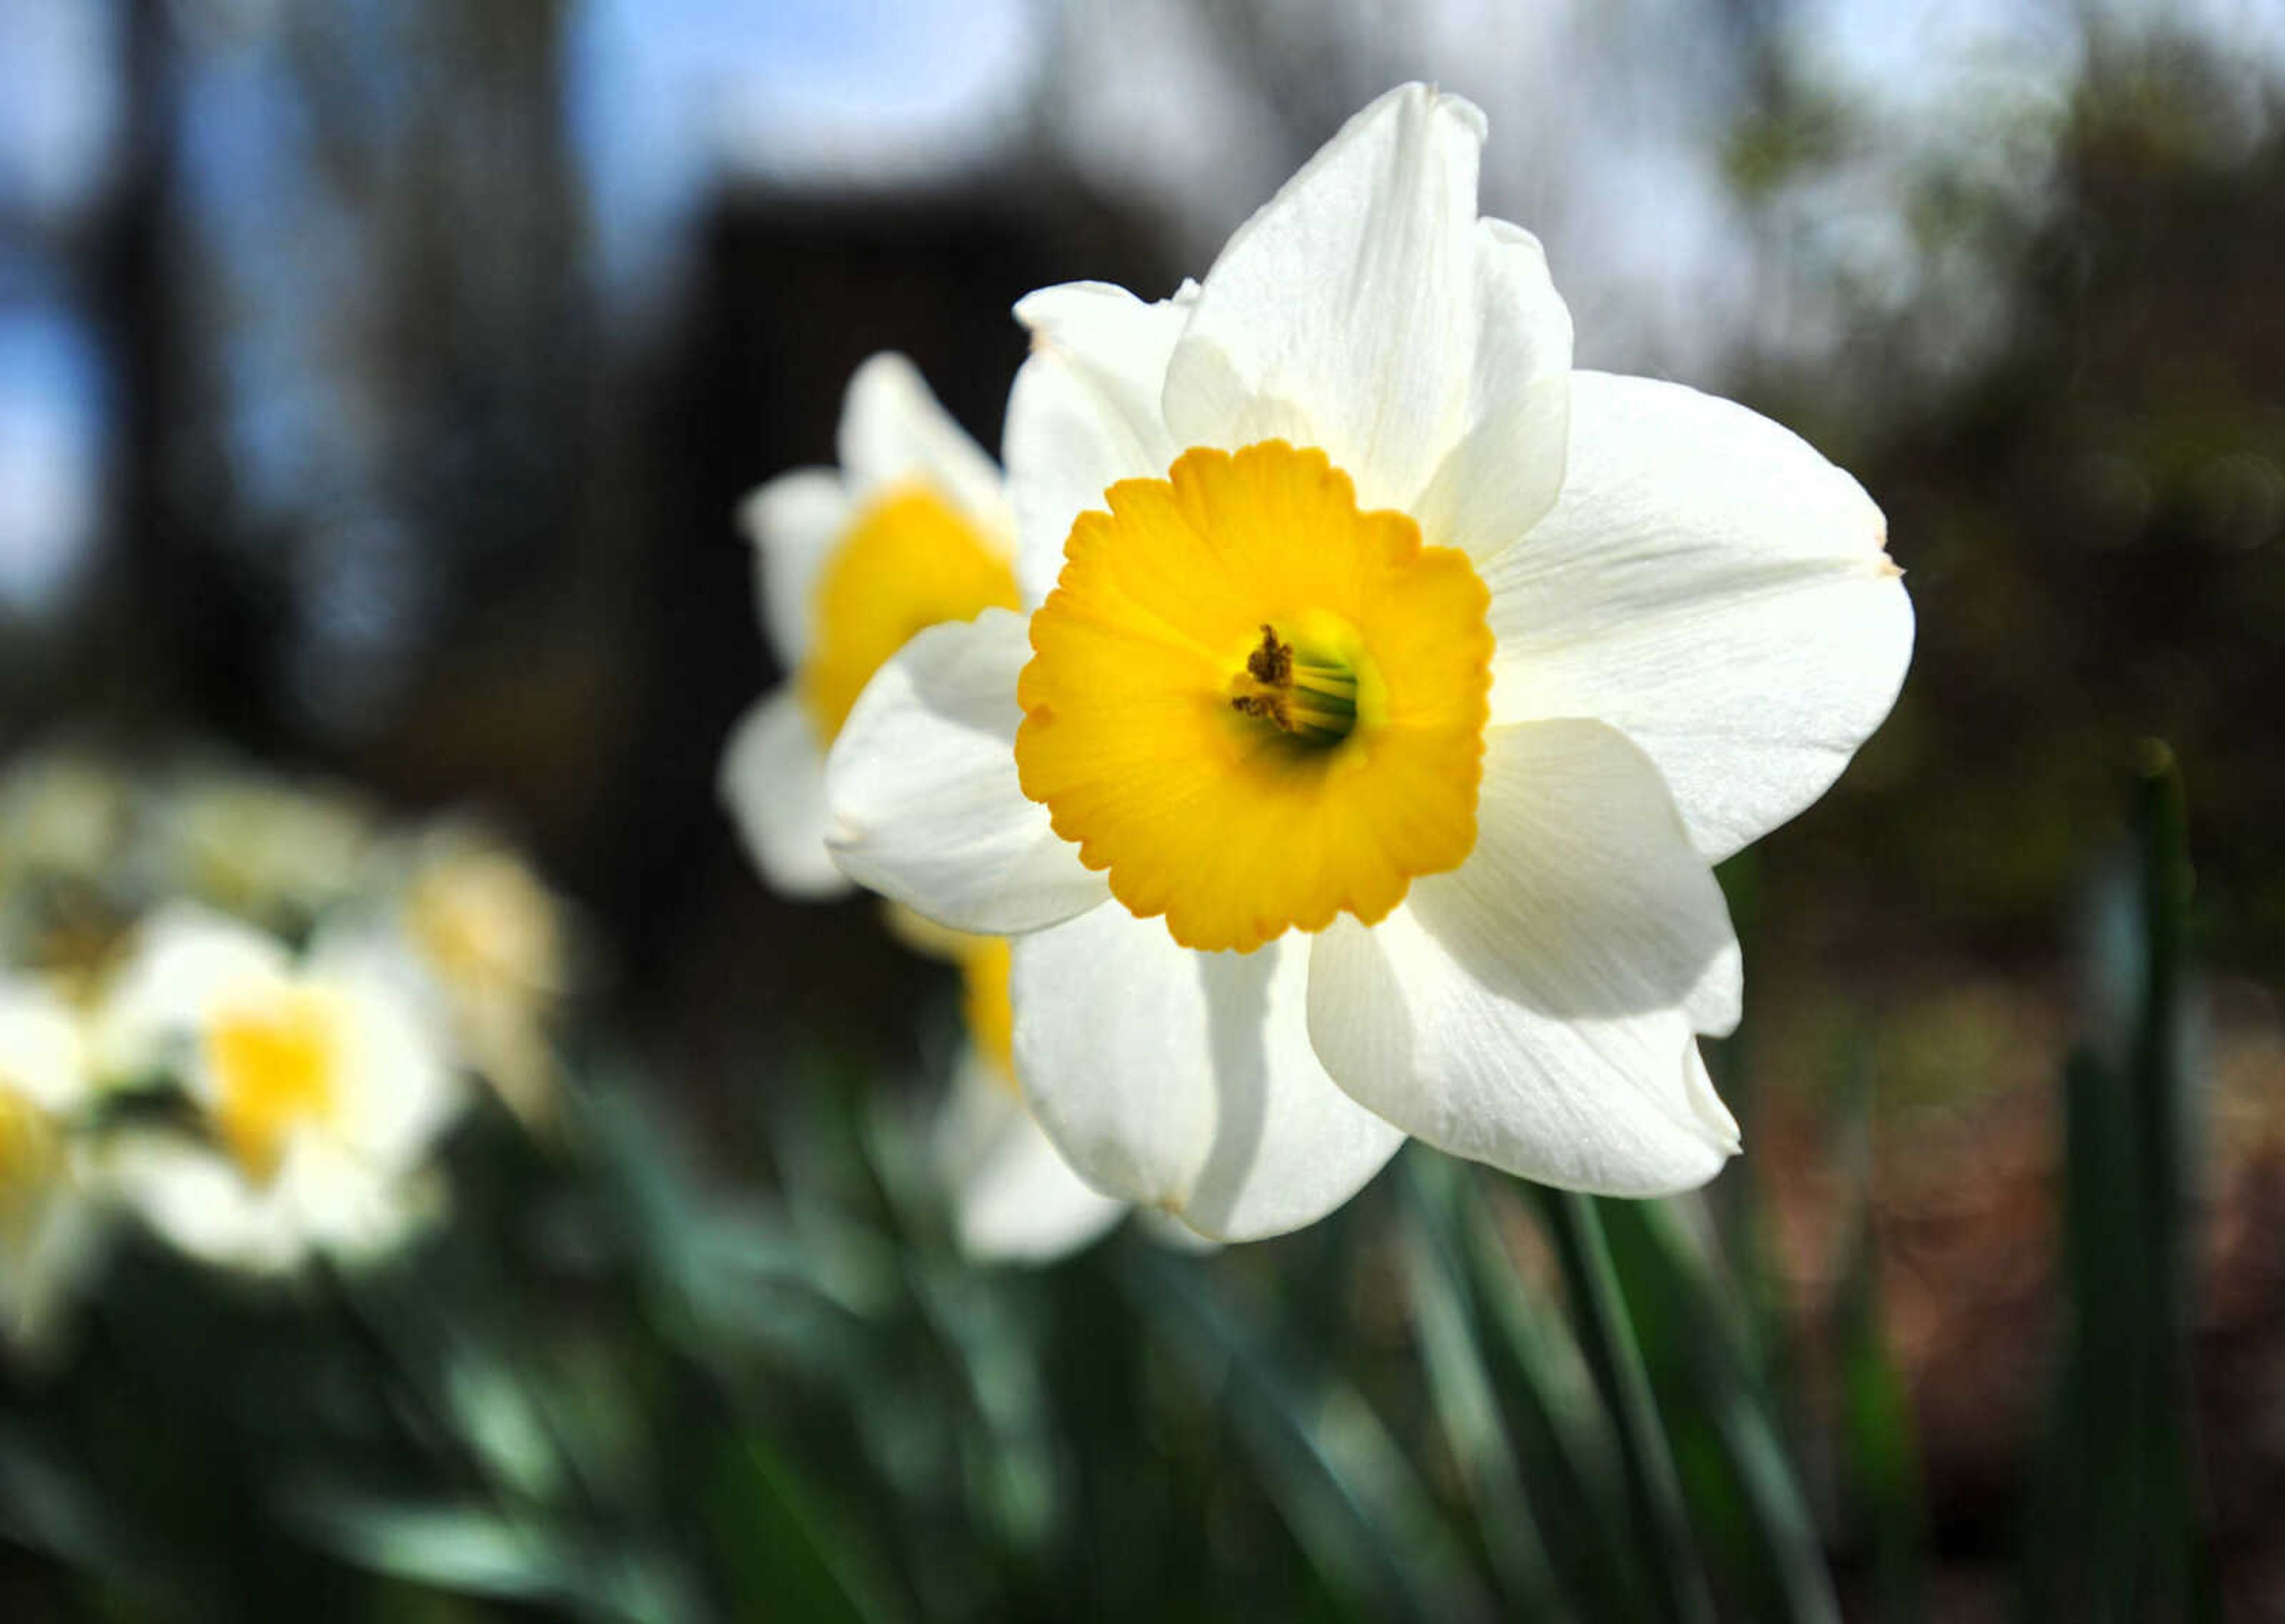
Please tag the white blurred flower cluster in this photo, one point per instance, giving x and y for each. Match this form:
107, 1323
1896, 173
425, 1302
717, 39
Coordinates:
242, 1011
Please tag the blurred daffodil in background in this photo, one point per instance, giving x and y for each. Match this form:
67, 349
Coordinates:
1013, 1196
48, 1222
912, 528
246, 1010
319, 1084
63, 813
495, 942
275, 852
1387, 691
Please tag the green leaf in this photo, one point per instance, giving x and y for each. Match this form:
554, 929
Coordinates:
461, 1547
2116, 1529
1706, 1332
1550, 1411
1460, 1387
44, 1504
1607, 1336
782, 1562
1343, 1486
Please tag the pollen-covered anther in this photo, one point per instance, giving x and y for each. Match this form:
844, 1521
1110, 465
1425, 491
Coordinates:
1312, 697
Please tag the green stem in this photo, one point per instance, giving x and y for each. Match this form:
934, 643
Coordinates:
2161, 1099
1606, 1336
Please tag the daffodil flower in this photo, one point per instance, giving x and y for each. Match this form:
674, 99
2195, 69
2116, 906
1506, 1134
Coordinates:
48, 1224
493, 938
263, 848
912, 528
321, 1083
1384, 692
64, 813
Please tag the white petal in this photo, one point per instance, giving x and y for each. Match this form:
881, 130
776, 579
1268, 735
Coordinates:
1014, 1200
795, 521
196, 1201
42, 1053
925, 803
1171, 1232
772, 780
1711, 585
1501, 475
322, 1198
894, 432
351, 1209
1535, 1009
1357, 308
185, 959
1185, 1081
1084, 413
401, 1082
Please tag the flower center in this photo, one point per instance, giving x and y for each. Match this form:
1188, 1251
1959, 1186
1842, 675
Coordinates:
909, 561
1312, 695
1252, 705
273, 1070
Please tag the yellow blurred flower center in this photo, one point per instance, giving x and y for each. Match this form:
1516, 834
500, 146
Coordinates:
910, 560
1253, 705
273, 1070
29, 1146
984, 963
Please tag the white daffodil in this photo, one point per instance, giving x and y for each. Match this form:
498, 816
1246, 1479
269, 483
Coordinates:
261, 847
321, 1085
1385, 693
48, 1227
493, 937
63, 813
912, 528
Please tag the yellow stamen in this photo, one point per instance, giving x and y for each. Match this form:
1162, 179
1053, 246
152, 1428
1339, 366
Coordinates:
1313, 699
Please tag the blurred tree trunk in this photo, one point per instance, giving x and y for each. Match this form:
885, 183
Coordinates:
129, 651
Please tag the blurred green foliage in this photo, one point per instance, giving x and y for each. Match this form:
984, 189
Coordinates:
619, 1389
